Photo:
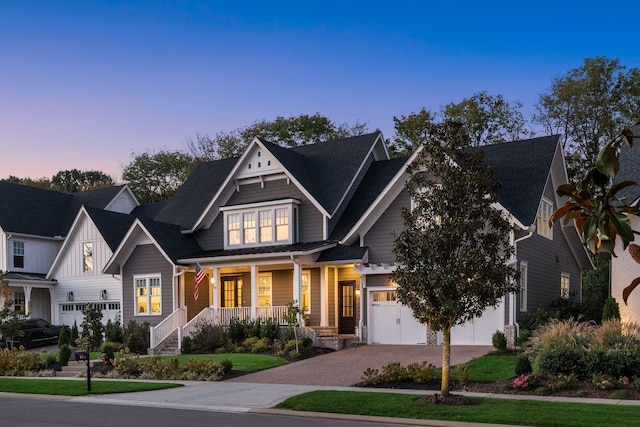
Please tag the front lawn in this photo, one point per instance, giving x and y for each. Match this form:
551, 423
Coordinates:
242, 362
77, 387
497, 411
491, 367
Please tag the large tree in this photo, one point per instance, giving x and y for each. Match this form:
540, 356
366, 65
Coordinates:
156, 176
454, 249
287, 132
74, 180
588, 106
485, 118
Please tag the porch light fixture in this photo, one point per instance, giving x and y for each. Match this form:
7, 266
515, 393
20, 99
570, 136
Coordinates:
103, 294
70, 296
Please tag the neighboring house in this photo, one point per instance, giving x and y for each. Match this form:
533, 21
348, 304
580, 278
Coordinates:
315, 224
623, 268
33, 226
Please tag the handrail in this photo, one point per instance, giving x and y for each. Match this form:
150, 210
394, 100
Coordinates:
163, 329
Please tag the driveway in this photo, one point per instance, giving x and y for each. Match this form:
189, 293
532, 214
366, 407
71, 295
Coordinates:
345, 367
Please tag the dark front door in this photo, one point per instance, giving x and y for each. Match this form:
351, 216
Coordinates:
347, 309
231, 292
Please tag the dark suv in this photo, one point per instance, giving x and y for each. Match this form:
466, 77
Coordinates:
36, 332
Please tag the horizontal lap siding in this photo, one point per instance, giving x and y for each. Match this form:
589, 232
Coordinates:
379, 239
194, 307
282, 287
314, 316
144, 261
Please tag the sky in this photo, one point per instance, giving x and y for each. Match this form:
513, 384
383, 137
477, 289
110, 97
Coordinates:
86, 84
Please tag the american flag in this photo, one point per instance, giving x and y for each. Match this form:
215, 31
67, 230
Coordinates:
200, 276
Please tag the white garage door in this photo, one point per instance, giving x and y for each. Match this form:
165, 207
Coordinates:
72, 312
392, 322
479, 331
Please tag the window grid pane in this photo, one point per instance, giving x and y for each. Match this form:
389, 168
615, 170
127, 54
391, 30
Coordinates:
233, 229
282, 224
87, 257
249, 227
266, 226
306, 292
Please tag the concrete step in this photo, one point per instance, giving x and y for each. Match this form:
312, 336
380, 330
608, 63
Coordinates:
74, 369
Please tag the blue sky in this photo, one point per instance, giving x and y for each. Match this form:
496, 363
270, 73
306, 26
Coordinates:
83, 84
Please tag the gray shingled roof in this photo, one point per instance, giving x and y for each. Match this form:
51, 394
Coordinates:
170, 238
149, 210
34, 211
630, 167
190, 201
343, 253
296, 247
376, 179
522, 168
112, 225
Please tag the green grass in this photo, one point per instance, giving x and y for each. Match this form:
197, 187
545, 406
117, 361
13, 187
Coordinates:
492, 367
497, 411
242, 362
76, 387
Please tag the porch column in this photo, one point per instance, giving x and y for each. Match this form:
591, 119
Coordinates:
215, 279
254, 290
363, 290
324, 296
297, 282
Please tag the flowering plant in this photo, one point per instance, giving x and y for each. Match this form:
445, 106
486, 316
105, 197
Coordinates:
522, 382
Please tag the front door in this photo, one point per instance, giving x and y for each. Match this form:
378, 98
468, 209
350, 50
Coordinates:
231, 292
347, 309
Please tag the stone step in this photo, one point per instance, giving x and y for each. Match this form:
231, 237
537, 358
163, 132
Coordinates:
74, 369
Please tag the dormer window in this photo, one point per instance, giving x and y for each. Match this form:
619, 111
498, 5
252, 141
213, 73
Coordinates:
260, 224
545, 210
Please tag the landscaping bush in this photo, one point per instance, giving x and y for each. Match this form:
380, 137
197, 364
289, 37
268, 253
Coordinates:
563, 360
393, 372
126, 364
523, 365
204, 370
238, 330
64, 354
227, 365
113, 330
615, 362
209, 337
186, 345
73, 335
257, 345
290, 345
306, 342
92, 328
270, 330
499, 341
462, 373
563, 382
108, 350
50, 360
558, 310
63, 338
18, 363
523, 337
611, 309
136, 337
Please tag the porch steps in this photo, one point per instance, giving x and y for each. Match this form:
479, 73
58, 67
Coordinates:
74, 369
168, 347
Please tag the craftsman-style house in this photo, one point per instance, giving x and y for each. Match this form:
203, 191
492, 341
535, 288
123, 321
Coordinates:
312, 224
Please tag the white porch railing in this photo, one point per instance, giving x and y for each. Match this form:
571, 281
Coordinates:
163, 329
277, 312
207, 315
227, 313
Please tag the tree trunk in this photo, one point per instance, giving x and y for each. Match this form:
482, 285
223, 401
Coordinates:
446, 360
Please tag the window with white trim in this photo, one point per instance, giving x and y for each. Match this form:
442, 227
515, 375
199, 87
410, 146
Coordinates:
545, 210
260, 224
87, 257
148, 291
305, 296
18, 254
19, 301
565, 285
264, 290
524, 269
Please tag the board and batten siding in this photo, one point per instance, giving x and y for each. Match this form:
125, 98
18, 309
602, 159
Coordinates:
146, 260
379, 239
38, 254
546, 261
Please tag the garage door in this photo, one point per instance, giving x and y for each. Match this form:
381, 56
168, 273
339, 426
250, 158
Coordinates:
72, 312
392, 322
479, 331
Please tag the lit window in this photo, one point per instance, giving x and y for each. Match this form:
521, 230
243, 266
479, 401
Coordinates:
282, 225
384, 296
249, 227
266, 226
233, 228
523, 285
545, 210
148, 296
565, 285
264, 289
18, 254
306, 292
18, 301
87, 257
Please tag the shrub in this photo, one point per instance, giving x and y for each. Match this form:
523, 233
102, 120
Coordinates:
542, 391
50, 360
136, 336
462, 372
92, 327
568, 333
290, 345
18, 363
185, 345
605, 382
422, 372
523, 337
205, 369
63, 338
563, 360
523, 365
257, 345
64, 354
306, 342
499, 341
270, 330
611, 309
293, 354
615, 362
108, 350
521, 382
622, 394
126, 364
209, 337
227, 365
563, 382
73, 335
113, 330
614, 333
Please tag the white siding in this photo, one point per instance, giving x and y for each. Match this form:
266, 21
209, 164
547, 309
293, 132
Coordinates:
3, 252
85, 290
123, 203
38, 254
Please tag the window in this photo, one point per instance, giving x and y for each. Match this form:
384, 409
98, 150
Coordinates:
305, 297
18, 254
260, 224
18, 301
232, 291
384, 296
565, 285
87, 257
545, 210
523, 285
148, 296
264, 289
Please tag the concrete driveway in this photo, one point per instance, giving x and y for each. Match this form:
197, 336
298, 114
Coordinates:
345, 367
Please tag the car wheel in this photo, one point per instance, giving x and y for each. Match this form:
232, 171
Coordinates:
26, 343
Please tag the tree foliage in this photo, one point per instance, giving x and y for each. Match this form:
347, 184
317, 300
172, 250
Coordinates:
454, 249
43, 183
287, 132
156, 176
74, 181
588, 106
11, 321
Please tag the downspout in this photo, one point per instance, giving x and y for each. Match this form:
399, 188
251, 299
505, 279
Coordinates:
512, 303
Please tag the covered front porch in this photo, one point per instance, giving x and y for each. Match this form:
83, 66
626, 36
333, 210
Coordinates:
260, 287
31, 294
